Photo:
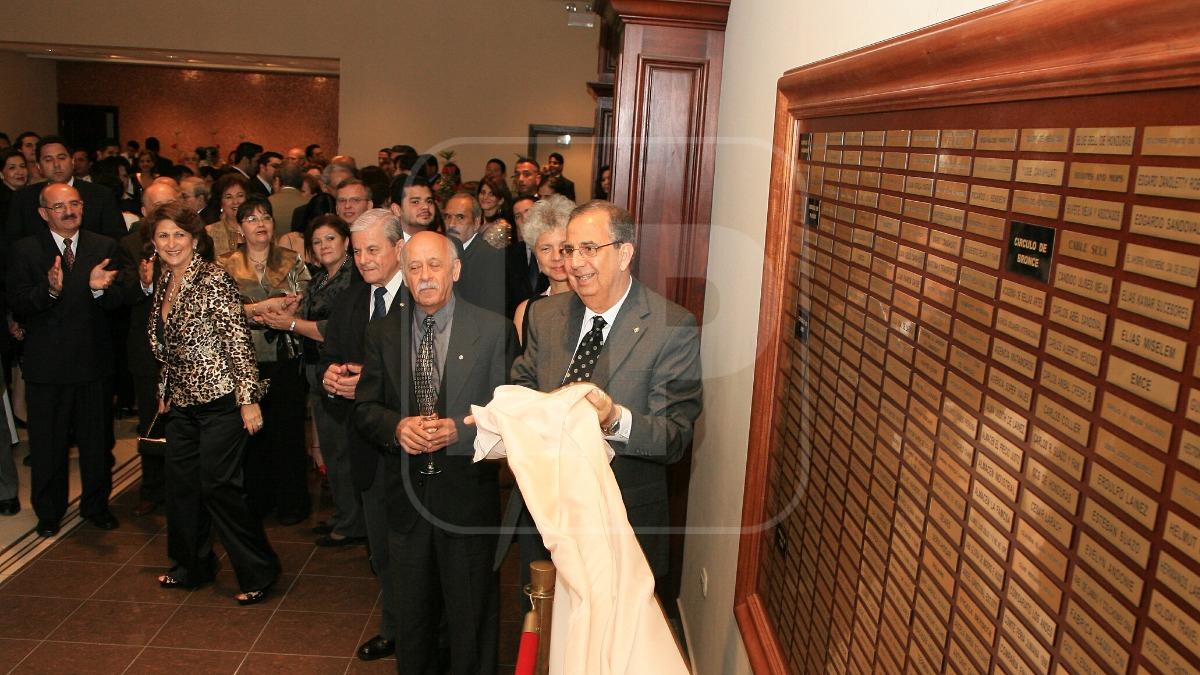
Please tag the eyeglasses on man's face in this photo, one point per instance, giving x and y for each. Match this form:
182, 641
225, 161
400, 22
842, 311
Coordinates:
586, 250
62, 206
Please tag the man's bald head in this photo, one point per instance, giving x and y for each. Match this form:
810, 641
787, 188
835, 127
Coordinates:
158, 194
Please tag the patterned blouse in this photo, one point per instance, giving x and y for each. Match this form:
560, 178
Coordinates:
204, 344
322, 297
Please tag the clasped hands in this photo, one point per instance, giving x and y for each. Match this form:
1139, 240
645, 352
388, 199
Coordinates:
98, 280
341, 379
418, 435
277, 313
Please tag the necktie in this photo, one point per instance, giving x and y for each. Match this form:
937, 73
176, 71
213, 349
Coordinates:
68, 257
380, 310
586, 353
425, 377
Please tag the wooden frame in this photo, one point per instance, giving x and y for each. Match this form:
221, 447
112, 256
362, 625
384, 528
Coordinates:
1012, 52
536, 130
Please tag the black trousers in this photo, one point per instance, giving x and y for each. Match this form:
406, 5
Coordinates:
277, 459
205, 448
55, 411
145, 389
435, 573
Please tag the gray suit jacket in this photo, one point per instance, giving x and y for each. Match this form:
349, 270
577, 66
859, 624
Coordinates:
650, 364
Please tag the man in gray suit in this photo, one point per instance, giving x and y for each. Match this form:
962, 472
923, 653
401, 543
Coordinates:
647, 371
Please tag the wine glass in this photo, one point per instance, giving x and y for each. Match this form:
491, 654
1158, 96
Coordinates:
429, 414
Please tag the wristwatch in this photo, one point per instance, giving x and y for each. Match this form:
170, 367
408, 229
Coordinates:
614, 427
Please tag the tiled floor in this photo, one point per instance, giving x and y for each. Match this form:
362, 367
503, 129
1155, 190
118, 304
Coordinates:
91, 604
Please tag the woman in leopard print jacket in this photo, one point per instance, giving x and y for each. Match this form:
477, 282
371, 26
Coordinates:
210, 390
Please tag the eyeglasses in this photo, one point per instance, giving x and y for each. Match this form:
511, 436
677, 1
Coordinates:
62, 206
586, 250
263, 218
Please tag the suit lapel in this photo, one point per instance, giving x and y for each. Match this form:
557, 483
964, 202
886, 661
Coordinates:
627, 330
398, 326
461, 354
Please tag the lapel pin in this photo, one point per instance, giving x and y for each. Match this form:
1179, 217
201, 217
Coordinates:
636, 328
460, 357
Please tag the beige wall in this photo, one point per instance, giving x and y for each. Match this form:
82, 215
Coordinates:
467, 75
28, 101
763, 39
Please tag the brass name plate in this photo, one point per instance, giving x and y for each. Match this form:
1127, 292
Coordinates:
1116, 532
1107, 177
996, 139
1094, 212
1119, 492
1075, 389
989, 197
1111, 568
1041, 171
1147, 343
1168, 181
917, 210
923, 162
1140, 423
1056, 452
1098, 250
916, 185
1091, 285
1175, 621
1147, 384
1006, 417
924, 138
1063, 419
1177, 141
873, 138
1178, 268
1011, 388
1130, 459
1014, 357
1152, 303
1104, 141
1025, 297
896, 137
895, 160
1090, 322
1042, 204
958, 139
982, 283
1045, 140
1105, 604
947, 216
993, 168
1013, 325
1177, 577
1072, 351
1182, 226
1161, 654
951, 191
892, 181
954, 165
945, 242
991, 227
1089, 630
1059, 491
981, 253
1183, 535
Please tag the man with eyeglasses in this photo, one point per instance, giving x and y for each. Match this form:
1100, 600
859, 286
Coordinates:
60, 289
647, 372
100, 213
352, 199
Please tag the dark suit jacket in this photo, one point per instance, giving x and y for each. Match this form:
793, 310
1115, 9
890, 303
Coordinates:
650, 364
345, 342
100, 212
465, 494
137, 341
255, 187
67, 339
485, 280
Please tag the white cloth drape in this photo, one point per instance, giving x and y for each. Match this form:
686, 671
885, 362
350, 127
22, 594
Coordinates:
605, 591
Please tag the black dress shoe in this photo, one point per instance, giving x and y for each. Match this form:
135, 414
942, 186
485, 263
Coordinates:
47, 528
376, 648
10, 507
104, 521
330, 541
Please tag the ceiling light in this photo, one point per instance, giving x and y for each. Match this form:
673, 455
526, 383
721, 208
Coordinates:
580, 15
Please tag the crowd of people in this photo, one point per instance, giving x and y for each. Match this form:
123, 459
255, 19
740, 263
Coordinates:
229, 304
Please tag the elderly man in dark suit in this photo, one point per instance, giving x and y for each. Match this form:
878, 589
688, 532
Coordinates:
60, 288
100, 212
647, 371
356, 473
425, 367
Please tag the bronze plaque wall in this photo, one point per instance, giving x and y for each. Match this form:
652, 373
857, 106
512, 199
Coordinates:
984, 444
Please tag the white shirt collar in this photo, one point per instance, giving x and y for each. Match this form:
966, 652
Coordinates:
468, 242
610, 315
393, 289
58, 241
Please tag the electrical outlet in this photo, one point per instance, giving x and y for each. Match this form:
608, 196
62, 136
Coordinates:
704, 582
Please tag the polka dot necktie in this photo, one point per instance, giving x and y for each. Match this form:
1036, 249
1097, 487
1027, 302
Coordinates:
586, 354
68, 256
426, 383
